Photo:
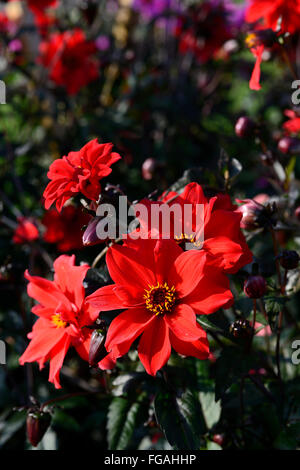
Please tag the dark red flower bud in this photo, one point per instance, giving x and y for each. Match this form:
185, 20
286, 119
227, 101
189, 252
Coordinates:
148, 168
241, 329
245, 127
151, 168
255, 214
297, 213
255, 287
289, 259
289, 145
37, 424
218, 439
267, 159
97, 350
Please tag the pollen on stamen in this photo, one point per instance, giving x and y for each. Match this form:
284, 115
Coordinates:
58, 322
160, 299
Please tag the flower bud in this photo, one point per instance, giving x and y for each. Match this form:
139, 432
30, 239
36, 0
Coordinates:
289, 259
218, 439
97, 350
255, 214
37, 424
297, 213
244, 127
151, 168
267, 159
255, 287
289, 145
241, 329
90, 234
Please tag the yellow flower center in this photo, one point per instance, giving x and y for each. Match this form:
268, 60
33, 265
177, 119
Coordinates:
160, 299
251, 40
185, 238
58, 322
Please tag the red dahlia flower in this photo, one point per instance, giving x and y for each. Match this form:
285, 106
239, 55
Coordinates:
162, 289
292, 126
69, 57
63, 313
79, 172
65, 228
271, 11
222, 236
25, 232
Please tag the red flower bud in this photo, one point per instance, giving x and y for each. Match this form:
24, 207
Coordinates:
97, 350
151, 168
289, 259
255, 287
297, 213
245, 127
37, 424
289, 145
218, 439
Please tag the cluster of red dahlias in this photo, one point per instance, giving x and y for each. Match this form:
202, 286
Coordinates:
158, 287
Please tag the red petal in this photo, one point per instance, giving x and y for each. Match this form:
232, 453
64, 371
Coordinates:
255, 78
69, 278
212, 293
198, 349
154, 347
187, 272
44, 338
127, 326
122, 261
58, 355
182, 322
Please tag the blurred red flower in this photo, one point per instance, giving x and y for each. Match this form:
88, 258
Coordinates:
65, 228
63, 313
41, 4
204, 30
79, 172
165, 290
292, 126
26, 231
271, 12
69, 56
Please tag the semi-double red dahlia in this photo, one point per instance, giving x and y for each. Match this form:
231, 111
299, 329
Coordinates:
220, 228
65, 228
270, 12
161, 288
79, 172
70, 58
63, 315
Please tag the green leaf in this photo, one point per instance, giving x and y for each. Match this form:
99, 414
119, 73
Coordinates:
10, 427
180, 419
124, 417
210, 408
